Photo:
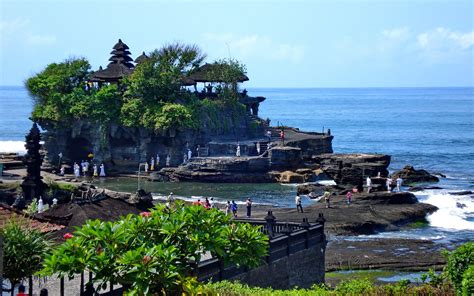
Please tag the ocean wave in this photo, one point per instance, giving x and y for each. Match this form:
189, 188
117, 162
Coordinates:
12, 147
453, 212
193, 198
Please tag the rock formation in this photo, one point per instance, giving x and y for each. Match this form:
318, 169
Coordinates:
410, 175
32, 184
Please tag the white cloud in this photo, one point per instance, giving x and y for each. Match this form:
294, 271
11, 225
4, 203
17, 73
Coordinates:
19, 30
442, 38
396, 33
255, 46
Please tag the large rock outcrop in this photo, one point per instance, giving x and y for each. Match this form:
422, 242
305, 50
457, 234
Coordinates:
410, 175
352, 169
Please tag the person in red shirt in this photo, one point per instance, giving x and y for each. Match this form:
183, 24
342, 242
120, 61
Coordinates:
21, 291
282, 136
197, 203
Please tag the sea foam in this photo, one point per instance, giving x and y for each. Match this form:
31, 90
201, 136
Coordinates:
12, 147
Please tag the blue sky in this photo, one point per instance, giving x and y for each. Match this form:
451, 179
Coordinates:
283, 43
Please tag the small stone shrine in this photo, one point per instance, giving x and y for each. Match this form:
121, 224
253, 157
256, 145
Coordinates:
32, 185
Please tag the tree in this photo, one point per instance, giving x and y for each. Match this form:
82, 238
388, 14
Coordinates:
24, 250
156, 252
458, 263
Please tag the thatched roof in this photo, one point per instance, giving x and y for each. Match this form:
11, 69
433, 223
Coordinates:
141, 58
205, 73
113, 72
120, 45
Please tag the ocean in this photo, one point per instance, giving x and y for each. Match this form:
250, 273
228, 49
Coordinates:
429, 128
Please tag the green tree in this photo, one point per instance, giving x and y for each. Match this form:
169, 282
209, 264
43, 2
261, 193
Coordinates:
24, 250
156, 252
459, 261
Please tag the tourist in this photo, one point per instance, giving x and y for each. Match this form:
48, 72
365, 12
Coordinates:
249, 207
185, 158
197, 150
55, 202
77, 171
282, 136
388, 183
269, 135
368, 184
102, 170
146, 167
234, 208
349, 197
168, 160
62, 171
96, 171
170, 198
157, 160
40, 205
207, 204
152, 164
399, 183
190, 154
85, 168
21, 291
327, 198
197, 203
258, 148
299, 206
237, 152
212, 203
227, 208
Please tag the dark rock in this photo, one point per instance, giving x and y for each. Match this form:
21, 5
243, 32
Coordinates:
421, 188
283, 157
410, 175
440, 174
352, 169
465, 192
460, 205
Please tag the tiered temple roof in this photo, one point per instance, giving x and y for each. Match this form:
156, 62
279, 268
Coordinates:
120, 65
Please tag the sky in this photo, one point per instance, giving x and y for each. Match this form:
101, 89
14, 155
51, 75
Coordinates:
413, 43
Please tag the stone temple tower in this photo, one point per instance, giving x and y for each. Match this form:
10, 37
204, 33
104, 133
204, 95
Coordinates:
33, 186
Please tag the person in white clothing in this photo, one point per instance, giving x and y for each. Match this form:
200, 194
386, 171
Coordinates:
258, 148
388, 183
102, 170
190, 154
369, 184
168, 160
399, 183
237, 152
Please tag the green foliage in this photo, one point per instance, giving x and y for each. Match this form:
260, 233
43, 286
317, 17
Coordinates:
467, 283
354, 287
155, 252
459, 261
24, 249
32, 207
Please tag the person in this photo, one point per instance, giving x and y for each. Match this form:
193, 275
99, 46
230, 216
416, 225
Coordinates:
85, 168
157, 160
185, 158
102, 170
388, 183
77, 171
152, 164
299, 206
249, 207
327, 198
197, 203
21, 291
207, 204
95, 169
349, 197
237, 152
399, 183
197, 150
369, 184
227, 208
234, 208
170, 198
61, 171
40, 205
258, 148
44, 292
212, 203
269, 135
55, 201
168, 160
146, 167
190, 154
282, 136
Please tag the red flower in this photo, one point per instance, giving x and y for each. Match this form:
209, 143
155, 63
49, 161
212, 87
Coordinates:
145, 214
68, 236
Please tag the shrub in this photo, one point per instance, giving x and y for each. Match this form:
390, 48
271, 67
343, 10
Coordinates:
459, 261
467, 283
